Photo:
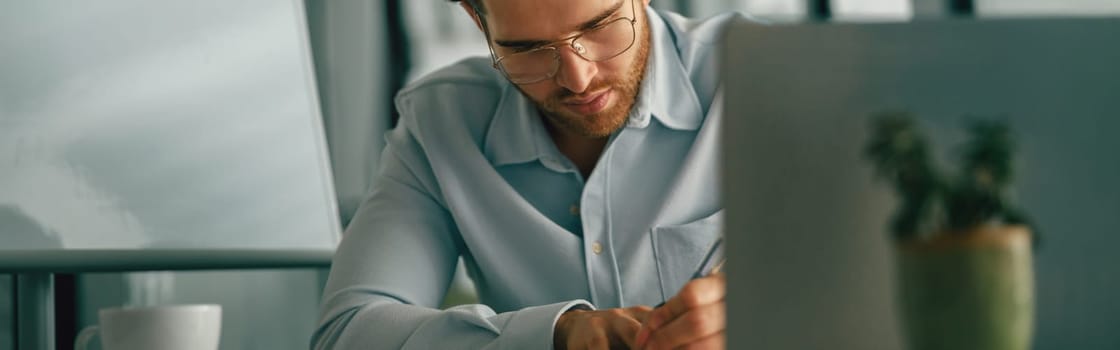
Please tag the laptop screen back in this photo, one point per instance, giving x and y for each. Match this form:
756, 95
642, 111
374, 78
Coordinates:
810, 262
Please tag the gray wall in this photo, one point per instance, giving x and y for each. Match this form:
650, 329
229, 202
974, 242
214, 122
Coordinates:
349, 40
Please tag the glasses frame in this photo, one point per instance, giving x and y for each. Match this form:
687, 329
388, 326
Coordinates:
572, 42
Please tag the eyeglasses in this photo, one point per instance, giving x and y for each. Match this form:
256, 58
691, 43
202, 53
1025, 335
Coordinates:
601, 43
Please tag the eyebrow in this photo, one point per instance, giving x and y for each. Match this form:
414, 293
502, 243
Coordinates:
582, 27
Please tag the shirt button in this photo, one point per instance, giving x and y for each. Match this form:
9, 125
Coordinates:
596, 248
574, 209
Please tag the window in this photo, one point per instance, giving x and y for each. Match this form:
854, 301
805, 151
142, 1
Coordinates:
1046, 7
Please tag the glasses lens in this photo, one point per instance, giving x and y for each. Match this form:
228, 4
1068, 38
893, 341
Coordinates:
530, 66
607, 41
598, 44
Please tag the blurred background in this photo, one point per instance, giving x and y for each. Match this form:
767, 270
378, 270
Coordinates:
363, 52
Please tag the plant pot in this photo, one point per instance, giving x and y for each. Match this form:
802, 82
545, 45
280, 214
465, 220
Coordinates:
968, 290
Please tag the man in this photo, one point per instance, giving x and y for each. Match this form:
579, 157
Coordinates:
576, 173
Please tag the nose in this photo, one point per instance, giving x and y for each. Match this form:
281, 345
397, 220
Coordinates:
575, 72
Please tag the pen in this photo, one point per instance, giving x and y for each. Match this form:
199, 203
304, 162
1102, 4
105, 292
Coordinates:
713, 262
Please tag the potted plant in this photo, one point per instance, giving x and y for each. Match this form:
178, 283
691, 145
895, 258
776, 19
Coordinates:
963, 253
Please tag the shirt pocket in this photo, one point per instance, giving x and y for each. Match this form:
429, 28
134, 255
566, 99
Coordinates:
679, 250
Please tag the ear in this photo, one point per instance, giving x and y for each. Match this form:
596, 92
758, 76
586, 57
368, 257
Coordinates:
474, 15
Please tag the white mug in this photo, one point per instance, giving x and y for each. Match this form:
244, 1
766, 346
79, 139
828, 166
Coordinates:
173, 327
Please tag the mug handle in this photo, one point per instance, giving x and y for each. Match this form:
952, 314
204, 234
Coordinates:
81, 342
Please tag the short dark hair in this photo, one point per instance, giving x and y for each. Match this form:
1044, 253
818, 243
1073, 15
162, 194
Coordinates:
476, 5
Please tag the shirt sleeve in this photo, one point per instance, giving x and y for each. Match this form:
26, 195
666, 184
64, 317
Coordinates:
394, 265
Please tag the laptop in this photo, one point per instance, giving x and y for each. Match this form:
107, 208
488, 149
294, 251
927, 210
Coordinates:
810, 262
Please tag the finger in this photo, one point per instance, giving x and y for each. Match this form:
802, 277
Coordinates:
596, 339
693, 293
640, 312
698, 292
716, 341
642, 338
591, 333
694, 325
626, 330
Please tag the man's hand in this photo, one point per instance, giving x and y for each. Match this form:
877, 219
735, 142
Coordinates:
693, 319
601, 329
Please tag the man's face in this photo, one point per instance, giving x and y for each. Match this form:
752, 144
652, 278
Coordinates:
590, 99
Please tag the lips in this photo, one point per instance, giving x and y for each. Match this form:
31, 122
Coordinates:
589, 104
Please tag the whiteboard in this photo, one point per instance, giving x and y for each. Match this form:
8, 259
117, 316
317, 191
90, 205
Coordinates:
129, 125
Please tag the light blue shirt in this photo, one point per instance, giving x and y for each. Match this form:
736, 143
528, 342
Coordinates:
471, 171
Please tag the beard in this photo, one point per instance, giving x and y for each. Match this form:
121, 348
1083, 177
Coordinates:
624, 90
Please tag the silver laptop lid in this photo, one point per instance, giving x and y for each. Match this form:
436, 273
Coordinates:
809, 258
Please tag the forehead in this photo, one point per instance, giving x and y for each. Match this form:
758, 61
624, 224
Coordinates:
542, 19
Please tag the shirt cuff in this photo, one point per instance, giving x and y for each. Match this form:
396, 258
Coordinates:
533, 327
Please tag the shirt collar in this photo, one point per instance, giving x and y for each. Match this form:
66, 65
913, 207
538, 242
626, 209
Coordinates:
513, 133
667, 93
517, 134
